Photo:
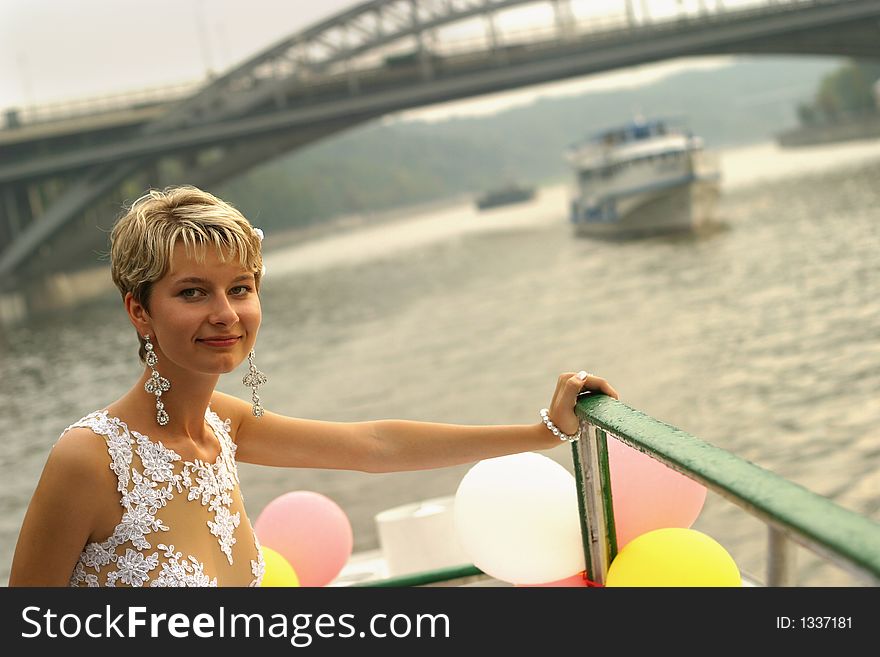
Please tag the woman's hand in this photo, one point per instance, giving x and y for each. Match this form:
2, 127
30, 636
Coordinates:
568, 387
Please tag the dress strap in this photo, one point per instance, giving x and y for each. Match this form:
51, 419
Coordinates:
222, 430
119, 444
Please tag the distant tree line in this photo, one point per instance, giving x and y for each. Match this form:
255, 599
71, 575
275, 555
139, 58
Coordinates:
844, 93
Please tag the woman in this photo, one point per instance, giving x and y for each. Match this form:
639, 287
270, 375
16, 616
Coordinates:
162, 506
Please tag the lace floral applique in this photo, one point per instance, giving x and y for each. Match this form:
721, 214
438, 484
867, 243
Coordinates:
213, 486
158, 461
147, 494
135, 523
258, 570
97, 555
133, 568
227, 454
144, 493
118, 445
258, 565
180, 572
79, 576
223, 526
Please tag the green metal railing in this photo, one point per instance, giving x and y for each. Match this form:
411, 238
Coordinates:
425, 578
792, 513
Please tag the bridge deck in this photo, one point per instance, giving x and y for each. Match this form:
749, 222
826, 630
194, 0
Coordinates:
80, 124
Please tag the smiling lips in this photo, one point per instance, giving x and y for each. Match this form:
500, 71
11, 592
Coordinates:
221, 341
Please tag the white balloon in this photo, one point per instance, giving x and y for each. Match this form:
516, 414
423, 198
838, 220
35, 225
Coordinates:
517, 518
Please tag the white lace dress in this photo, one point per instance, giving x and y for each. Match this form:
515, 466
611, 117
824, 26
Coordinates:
181, 520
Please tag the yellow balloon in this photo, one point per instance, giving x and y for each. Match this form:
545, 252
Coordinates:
278, 571
673, 557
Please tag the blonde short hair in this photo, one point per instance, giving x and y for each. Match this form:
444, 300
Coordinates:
143, 238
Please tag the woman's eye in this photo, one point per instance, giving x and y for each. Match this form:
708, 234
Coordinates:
242, 289
190, 293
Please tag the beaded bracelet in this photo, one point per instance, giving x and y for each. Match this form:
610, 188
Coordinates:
562, 436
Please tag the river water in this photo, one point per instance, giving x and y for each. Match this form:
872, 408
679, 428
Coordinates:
762, 339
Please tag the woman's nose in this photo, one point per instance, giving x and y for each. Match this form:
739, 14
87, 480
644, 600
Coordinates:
223, 312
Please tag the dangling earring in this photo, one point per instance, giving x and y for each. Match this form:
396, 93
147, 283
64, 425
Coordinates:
254, 379
156, 384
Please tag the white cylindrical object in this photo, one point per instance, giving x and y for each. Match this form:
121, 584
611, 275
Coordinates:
419, 537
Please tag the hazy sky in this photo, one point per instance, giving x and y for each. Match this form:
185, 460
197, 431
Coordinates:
60, 49
53, 50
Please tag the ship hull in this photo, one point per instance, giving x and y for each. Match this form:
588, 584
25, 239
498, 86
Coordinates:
682, 207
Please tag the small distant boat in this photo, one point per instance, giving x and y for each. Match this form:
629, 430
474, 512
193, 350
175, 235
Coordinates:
645, 177
506, 195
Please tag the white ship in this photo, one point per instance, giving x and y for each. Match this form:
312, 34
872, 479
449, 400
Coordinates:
643, 178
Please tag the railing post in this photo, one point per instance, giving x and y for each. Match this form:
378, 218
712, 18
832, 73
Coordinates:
590, 458
780, 559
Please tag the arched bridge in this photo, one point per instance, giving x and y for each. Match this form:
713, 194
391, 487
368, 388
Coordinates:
59, 184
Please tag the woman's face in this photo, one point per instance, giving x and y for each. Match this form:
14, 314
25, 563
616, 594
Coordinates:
205, 316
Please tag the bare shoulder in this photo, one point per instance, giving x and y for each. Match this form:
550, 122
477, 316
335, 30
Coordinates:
67, 506
80, 445
79, 451
230, 408
76, 474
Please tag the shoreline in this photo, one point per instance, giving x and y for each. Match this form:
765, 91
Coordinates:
854, 129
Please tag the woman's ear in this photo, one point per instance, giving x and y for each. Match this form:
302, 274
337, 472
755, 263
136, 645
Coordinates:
137, 314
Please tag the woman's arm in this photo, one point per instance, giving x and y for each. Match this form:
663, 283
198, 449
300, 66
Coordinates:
393, 445
62, 512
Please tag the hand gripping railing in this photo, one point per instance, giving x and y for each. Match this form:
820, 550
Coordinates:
792, 513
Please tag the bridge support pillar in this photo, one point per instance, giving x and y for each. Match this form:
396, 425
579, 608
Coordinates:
48, 293
11, 220
12, 308
564, 18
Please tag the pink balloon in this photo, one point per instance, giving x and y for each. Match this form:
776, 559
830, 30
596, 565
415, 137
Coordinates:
573, 581
311, 531
647, 495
